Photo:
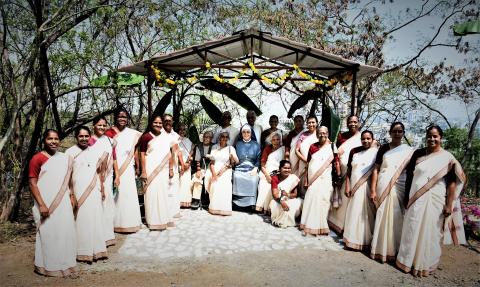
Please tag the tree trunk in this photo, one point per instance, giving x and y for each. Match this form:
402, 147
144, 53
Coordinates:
468, 143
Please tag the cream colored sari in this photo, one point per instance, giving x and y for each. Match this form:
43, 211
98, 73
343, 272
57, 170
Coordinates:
390, 194
336, 216
264, 188
360, 216
156, 188
55, 243
424, 224
220, 190
86, 185
294, 160
105, 144
127, 209
185, 184
279, 216
319, 192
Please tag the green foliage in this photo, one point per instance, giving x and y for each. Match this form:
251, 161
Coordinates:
455, 139
119, 79
211, 109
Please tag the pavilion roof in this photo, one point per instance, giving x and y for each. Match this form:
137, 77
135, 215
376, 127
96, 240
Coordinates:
267, 52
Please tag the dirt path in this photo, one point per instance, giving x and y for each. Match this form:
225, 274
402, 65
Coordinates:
459, 266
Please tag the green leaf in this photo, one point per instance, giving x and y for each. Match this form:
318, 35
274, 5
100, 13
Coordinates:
303, 100
163, 103
232, 92
126, 79
122, 79
193, 134
470, 27
211, 109
101, 81
331, 121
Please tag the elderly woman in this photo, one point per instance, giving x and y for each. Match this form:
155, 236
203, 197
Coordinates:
388, 193
186, 151
202, 163
49, 173
285, 206
245, 176
271, 157
321, 155
220, 183
434, 182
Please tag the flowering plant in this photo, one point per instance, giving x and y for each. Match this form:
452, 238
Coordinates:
471, 215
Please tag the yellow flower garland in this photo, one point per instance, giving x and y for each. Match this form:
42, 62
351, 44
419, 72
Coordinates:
162, 79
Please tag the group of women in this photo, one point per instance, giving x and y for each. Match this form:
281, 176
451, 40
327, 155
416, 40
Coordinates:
392, 201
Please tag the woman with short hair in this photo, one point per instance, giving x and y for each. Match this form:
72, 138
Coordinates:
186, 151
322, 157
272, 154
49, 173
222, 158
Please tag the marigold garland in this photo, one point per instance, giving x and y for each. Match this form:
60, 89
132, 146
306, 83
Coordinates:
162, 78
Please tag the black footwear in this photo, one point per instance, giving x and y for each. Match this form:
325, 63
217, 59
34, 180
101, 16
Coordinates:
195, 204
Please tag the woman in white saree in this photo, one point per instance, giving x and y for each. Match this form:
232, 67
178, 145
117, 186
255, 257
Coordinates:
186, 151
339, 202
157, 168
87, 184
271, 157
220, 182
55, 242
360, 215
127, 209
388, 192
321, 155
434, 181
100, 143
285, 206
303, 144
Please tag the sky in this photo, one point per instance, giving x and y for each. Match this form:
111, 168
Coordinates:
407, 42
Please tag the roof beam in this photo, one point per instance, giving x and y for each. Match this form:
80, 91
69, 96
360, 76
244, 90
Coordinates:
308, 53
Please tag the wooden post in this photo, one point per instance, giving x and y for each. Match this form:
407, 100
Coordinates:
149, 95
354, 86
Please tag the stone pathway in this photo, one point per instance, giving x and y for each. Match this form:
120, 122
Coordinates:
199, 234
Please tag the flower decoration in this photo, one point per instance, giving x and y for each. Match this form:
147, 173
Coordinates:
162, 79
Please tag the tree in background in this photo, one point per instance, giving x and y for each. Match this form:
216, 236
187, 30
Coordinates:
52, 50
